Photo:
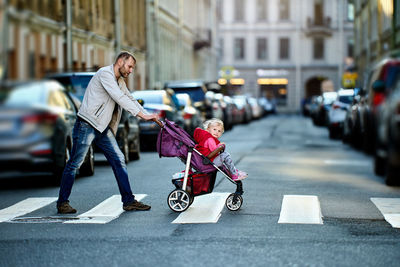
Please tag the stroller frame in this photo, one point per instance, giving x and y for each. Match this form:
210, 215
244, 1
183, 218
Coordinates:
181, 198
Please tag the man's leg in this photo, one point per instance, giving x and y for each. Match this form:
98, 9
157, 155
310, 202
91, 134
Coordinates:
83, 135
106, 141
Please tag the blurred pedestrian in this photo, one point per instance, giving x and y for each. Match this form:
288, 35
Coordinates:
97, 121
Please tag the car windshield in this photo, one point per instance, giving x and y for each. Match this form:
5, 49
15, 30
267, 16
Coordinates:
346, 99
25, 96
182, 100
197, 93
75, 84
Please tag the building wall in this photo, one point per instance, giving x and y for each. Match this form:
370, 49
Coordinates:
300, 66
174, 28
377, 25
37, 44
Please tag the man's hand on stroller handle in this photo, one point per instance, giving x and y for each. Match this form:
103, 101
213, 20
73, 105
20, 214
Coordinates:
151, 117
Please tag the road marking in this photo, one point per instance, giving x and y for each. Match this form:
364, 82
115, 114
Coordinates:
105, 212
347, 162
25, 206
300, 209
390, 209
205, 209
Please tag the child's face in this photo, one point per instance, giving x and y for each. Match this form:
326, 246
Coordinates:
215, 130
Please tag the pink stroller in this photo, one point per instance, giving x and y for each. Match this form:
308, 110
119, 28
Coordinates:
200, 172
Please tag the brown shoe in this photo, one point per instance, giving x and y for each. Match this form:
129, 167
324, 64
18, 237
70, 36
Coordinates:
136, 205
65, 208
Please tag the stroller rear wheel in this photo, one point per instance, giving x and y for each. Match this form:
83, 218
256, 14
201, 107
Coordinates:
234, 202
179, 200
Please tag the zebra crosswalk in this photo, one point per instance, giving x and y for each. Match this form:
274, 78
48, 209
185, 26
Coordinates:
295, 209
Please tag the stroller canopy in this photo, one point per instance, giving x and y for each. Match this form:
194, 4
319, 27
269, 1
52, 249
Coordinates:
173, 141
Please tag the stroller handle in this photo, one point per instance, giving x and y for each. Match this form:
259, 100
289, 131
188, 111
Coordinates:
158, 122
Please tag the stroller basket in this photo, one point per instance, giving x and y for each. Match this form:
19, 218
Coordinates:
198, 183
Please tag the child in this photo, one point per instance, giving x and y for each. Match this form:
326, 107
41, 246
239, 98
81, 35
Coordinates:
208, 141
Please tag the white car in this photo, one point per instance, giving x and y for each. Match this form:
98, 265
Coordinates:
338, 110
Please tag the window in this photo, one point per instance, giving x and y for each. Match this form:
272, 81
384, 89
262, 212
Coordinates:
350, 47
261, 48
318, 48
318, 13
284, 48
261, 10
239, 10
283, 9
239, 48
350, 12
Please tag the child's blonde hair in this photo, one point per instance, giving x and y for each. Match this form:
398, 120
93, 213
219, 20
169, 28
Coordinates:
213, 121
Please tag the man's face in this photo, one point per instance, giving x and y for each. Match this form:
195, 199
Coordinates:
126, 67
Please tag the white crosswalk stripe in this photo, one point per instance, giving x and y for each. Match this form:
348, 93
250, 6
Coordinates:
105, 212
300, 209
25, 206
390, 209
205, 209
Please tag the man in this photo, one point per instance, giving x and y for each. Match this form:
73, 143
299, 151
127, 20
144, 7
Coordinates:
97, 121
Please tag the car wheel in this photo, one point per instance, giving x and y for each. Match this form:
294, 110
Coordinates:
135, 154
87, 168
379, 165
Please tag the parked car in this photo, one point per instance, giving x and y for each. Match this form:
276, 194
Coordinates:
320, 117
191, 115
157, 102
337, 112
36, 123
393, 135
256, 109
128, 136
376, 85
268, 105
197, 91
237, 113
216, 110
227, 108
386, 160
242, 102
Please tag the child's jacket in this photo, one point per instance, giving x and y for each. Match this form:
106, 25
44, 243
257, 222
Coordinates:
201, 137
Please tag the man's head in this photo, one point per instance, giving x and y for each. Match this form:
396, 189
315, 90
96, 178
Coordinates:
124, 64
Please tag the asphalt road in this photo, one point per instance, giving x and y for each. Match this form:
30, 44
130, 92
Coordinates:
285, 155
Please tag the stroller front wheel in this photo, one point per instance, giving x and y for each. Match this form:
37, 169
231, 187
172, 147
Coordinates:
234, 202
179, 200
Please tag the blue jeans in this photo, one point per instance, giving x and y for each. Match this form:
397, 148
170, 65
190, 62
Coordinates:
83, 135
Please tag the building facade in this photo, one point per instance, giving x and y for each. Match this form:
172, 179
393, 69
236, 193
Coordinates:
171, 39
284, 49
181, 38
377, 33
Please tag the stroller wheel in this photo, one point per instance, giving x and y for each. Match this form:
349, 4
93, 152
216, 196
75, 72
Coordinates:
234, 203
179, 200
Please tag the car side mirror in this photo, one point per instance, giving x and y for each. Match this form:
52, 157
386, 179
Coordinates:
140, 101
378, 86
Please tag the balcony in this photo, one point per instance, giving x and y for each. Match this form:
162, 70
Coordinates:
202, 39
318, 27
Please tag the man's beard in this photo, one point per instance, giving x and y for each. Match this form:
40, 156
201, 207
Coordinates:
124, 75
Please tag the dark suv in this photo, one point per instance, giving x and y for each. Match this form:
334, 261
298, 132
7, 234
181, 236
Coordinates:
197, 91
128, 128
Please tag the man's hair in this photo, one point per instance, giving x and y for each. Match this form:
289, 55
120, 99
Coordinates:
213, 121
125, 55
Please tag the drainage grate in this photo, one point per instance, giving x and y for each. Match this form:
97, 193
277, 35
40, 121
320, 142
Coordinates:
43, 219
